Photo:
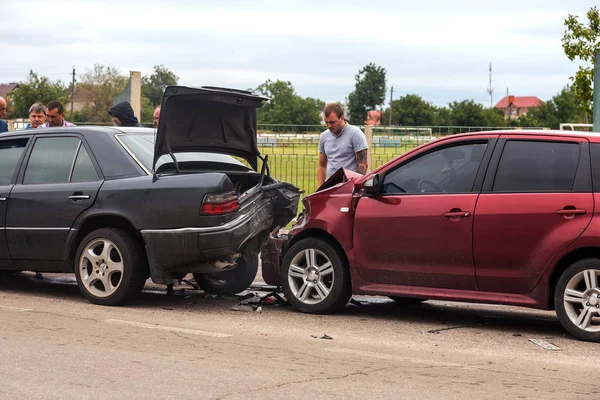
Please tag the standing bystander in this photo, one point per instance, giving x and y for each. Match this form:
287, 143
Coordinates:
55, 112
341, 146
3, 123
122, 115
156, 116
37, 116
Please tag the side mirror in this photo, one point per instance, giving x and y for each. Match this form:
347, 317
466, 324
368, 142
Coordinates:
372, 185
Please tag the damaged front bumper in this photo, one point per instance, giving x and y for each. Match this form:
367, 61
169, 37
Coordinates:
272, 256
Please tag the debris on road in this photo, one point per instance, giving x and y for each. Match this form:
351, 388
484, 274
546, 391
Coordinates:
437, 331
244, 308
326, 337
544, 344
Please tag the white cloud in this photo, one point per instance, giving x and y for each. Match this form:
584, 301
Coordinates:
319, 48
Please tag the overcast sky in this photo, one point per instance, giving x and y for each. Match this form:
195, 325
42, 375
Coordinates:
437, 49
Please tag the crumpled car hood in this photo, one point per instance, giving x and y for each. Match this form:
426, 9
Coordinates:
339, 176
208, 119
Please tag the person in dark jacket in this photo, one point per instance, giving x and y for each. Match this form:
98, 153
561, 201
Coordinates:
122, 114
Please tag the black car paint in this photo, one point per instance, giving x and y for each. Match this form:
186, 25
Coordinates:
127, 194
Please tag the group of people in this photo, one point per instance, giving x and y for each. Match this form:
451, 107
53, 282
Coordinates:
53, 114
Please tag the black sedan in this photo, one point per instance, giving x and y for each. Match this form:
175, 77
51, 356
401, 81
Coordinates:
117, 205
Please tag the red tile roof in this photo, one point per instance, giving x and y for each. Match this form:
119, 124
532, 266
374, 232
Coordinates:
520, 102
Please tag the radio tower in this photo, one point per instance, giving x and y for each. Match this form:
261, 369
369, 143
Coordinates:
490, 90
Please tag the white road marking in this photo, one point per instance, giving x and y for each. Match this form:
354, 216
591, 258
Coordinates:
15, 308
392, 357
166, 328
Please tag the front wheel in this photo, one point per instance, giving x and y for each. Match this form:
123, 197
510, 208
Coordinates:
110, 267
229, 283
577, 299
315, 277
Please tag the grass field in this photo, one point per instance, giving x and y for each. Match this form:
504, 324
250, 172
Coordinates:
297, 162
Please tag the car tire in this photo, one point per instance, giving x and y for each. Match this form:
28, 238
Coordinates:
320, 286
407, 301
232, 282
110, 267
577, 299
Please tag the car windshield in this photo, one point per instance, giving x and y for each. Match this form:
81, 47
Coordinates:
142, 147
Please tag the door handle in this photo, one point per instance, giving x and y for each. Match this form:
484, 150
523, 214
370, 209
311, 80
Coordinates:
79, 197
457, 214
2, 198
571, 211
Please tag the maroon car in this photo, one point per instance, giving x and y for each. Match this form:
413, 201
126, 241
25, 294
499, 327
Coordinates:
505, 217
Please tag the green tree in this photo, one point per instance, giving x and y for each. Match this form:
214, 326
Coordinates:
582, 42
442, 116
286, 107
35, 90
153, 86
467, 113
493, 117
563, 107
369, 92
103, 83
410, 110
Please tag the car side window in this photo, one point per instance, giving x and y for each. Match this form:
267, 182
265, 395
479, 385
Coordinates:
448, 170
84, 170
51, 160
537, 166
10, 154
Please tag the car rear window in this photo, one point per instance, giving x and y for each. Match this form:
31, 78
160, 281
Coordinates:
142, 147
537, 166
595, 153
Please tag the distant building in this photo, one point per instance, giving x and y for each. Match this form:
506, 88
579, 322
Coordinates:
517, 106
6, 88
82, 98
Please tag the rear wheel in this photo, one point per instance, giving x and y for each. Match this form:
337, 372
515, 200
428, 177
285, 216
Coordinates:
315, 277
110, 267
229, 283
577, 299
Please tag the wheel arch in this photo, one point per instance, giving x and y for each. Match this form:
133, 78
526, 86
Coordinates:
322, 234
94, 222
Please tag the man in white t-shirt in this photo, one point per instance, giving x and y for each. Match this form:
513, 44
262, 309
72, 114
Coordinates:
341, 146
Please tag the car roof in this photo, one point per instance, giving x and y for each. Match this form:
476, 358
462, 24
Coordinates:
112, 130
83, 129
593, 136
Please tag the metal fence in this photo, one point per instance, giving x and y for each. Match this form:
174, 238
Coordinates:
293, 152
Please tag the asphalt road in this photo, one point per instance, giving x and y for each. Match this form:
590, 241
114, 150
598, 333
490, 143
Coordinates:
56, 345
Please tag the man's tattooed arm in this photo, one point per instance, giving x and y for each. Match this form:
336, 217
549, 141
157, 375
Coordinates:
361, 159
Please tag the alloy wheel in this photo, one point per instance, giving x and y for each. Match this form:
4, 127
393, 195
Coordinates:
101, 267
582, 300
311, 276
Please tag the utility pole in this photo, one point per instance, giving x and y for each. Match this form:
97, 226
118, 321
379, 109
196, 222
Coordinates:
72, 94
596, 109
391, 98
490, 90
507, 108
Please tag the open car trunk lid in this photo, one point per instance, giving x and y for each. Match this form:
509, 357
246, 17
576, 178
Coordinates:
208, 119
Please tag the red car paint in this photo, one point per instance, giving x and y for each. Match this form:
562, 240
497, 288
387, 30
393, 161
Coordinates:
482, 246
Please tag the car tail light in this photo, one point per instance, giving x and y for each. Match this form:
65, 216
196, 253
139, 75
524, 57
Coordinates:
219, 204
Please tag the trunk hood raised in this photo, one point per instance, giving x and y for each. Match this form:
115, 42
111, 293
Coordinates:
208, 119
